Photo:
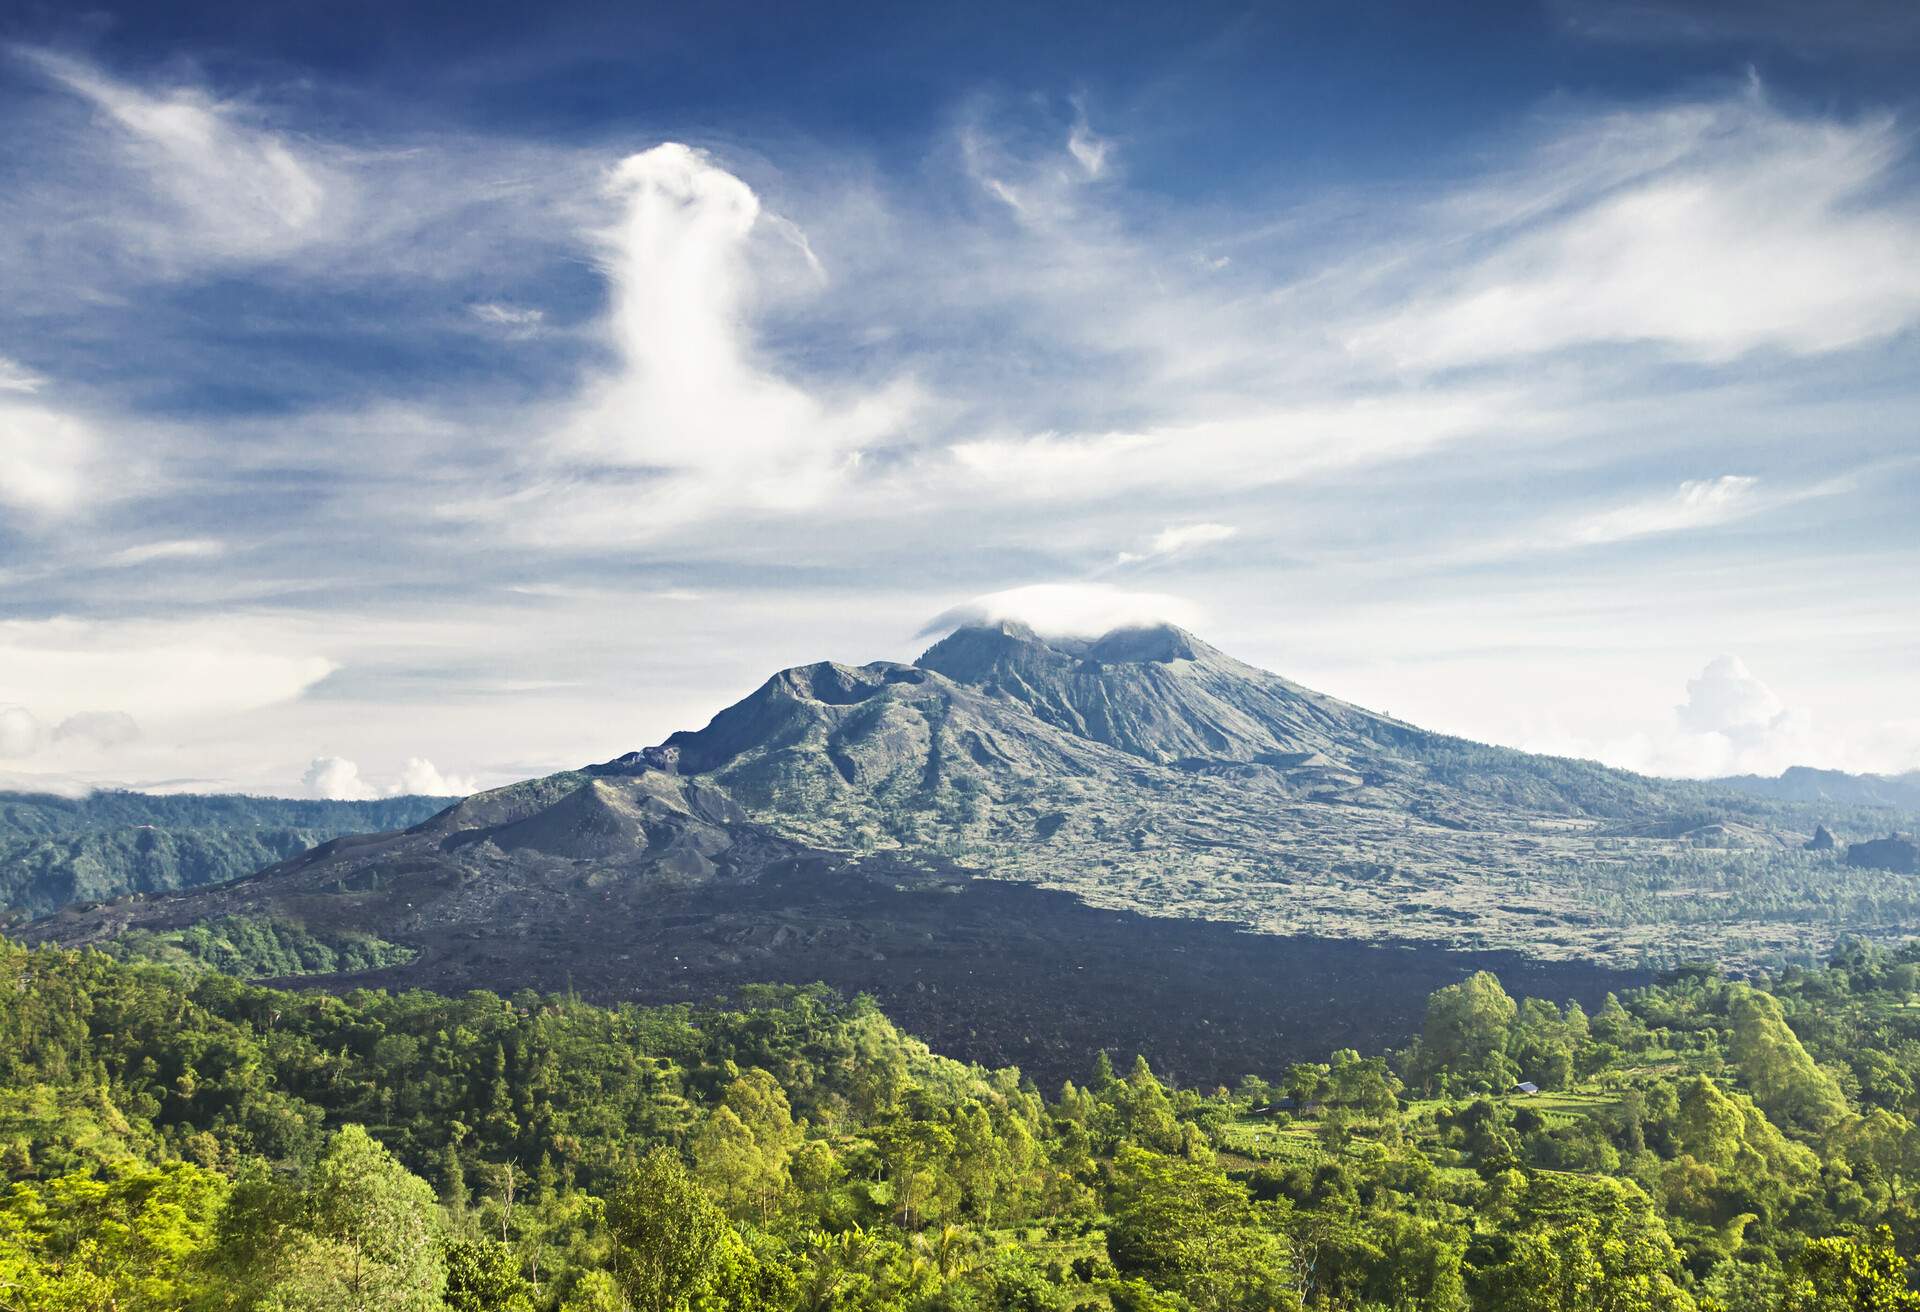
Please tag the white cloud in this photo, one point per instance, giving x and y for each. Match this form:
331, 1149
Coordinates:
101, 729
336, 779
1698, 503
1088, 147
1081, 610
46, 458
1177, 538
1710, 230
24, 734
1694, 505
16, 377
419, 776
1280, 444
339, 780
1042, 190
21, 732
518, 322
157, 670
1731, 723
175, 549
1726, 698
694, 421
229, 188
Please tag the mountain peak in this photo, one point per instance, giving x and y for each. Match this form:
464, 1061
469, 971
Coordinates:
1157, 644
973, 653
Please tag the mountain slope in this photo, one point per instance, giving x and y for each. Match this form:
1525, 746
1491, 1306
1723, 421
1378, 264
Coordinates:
1140, 771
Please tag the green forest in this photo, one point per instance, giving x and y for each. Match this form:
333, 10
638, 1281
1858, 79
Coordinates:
174, 1138
55, 851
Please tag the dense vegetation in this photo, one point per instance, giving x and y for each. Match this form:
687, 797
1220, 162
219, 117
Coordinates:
179, 1139
259, 947
58, 850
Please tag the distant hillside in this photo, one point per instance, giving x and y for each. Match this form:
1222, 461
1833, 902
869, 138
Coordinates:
55, 851
1802, 783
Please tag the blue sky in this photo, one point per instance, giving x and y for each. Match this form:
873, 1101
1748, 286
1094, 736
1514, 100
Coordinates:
426, 396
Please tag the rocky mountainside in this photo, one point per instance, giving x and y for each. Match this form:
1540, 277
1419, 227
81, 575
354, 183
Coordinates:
858, 814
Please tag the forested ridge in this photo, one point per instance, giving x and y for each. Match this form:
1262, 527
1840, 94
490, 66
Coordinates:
55, 851
177, 1139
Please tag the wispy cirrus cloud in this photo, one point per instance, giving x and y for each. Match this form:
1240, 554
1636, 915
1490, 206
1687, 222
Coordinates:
221, 183
1173, 540
1707, 231
1697, 503
173, 549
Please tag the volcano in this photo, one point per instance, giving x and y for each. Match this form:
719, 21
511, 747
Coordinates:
1010, 798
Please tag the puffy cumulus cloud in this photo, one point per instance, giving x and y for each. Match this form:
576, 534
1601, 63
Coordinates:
22, 733
1173, 540
693, 409
336, 779
1710, 230
1070, 610
1726, 698
420, 776
101, 729
224, 185
1731, 722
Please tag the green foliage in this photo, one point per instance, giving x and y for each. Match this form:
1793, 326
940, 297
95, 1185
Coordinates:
182, 1140
1464, 1041
1845, 1275
55, 851
257, 947
1786, 1083
483, 1275
355, 1231
128, 1237
1183, 1226
672, 1248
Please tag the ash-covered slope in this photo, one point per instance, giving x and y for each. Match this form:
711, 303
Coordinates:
1161, 694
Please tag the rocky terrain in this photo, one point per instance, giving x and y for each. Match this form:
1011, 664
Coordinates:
1896, 852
